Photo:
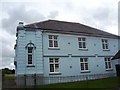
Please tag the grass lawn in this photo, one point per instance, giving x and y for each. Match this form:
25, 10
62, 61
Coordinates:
113, 82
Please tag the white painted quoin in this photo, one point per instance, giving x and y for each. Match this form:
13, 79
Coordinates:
61, 49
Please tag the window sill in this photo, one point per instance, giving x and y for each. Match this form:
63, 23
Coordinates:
83, 49
109, 69
55, 73
30, 66
87, 71
106, 49
53, 48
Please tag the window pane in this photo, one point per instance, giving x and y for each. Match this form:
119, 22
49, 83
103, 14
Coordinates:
86, 66
106, 46
84, 46
56, 60
56, 67
105, 59
105, 41
108, 59
83, 39
103, 46
55, 44
81, 59
51, 68
50, 43
55, 37
106, 65
82, 66
50, 36
109, 64
51, 60
29, 57
79, 39
85, 59
30, 49
80, 45
29, 62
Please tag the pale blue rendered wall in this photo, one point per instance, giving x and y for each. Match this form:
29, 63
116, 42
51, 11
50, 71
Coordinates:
23, 39
94, 45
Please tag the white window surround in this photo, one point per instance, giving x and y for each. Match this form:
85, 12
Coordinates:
82, 42
84, 65
30, 62
53, 42
83, 49
108, 64
30, 57
30, 52
54, 63
85, 71
105, 44
53, 48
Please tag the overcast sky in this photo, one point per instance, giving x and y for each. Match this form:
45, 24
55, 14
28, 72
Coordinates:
101, 14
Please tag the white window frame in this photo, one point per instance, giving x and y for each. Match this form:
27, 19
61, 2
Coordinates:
54, 63
53, 41
108, 64
105, 45
84, 64
28, 57
81, 41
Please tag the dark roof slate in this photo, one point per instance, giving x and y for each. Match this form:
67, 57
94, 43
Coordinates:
63, 26
117, 56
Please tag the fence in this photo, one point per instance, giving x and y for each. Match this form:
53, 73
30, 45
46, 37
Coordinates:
60, 79
40, 79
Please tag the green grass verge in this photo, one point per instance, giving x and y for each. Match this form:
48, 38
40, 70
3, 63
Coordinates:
112, 82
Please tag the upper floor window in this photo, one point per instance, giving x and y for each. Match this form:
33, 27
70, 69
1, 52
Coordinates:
108, 64
105, 44
84, 64
30, 55
53, 41
54, 65
82, 42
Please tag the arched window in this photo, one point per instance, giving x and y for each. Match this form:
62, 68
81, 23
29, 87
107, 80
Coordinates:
30, 52
30, 55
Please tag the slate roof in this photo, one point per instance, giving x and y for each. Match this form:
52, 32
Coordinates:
117, 55
70, 27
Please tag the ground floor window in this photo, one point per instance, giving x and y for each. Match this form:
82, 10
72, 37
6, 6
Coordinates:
30, 55
54, 64
108, 64
84, 64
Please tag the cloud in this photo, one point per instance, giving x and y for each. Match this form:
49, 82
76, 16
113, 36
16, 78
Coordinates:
7, 51
6, 63
20, 13
101, 16
53, 14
